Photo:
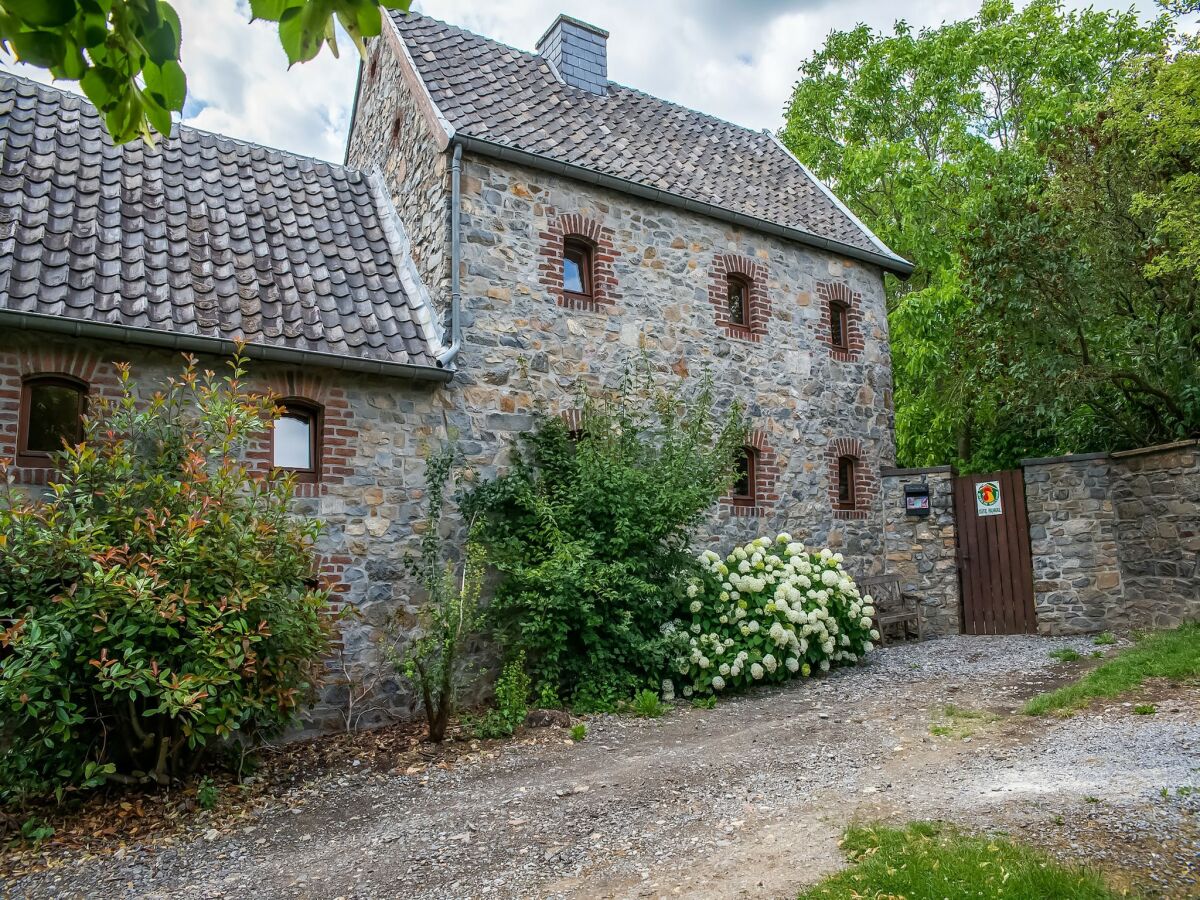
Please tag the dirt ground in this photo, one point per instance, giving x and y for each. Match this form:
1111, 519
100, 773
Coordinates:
745, 800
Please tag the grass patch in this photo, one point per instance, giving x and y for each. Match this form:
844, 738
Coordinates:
930, 862
1145, 709
1174, 655
960, 722
1103, 640
1066, 654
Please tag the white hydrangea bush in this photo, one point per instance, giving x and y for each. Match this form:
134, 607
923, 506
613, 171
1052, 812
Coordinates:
770, 611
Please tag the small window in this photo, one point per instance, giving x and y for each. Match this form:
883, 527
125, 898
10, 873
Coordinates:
51, 416
738, 298
847, 476
577, 268
296, 442
838, 328
744, 479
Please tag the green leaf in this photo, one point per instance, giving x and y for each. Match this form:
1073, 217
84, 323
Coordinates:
167, 84
42, 13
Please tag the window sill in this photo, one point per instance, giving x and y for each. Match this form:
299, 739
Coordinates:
742, 332
850, 514
582, 302
741, 508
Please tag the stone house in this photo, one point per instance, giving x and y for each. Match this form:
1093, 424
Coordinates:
506, 224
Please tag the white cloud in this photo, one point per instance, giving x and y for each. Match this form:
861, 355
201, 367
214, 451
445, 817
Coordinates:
733, 60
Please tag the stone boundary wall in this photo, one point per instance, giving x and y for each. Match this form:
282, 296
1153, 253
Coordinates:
1116, 538
922, 549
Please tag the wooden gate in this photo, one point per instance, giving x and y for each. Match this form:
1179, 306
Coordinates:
994, 564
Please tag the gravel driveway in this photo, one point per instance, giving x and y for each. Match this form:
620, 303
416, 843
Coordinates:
748, 799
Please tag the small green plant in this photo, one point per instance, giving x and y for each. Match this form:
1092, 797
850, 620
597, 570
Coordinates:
207, 794
433, 663
709, 702
1105, 639
1145, 709
1091, 799
1065, 654
647, 705
512, 702
941, 730
1097, 654
1059, 820
578, 732
36, 831
548, 698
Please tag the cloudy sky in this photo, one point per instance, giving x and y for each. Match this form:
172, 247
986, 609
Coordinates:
734, 60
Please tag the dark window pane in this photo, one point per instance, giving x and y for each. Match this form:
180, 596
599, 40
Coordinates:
293, 440
737, 302
741, 486
846, 482
54, 411
837, 322
574, 264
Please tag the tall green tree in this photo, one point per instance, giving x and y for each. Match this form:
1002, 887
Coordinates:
913, 129
125, 53
1091, 268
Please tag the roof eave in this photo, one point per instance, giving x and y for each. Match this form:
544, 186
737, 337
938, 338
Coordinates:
887, 261
195, 343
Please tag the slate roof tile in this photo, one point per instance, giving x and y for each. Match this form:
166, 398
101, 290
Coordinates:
200, 235
490, 91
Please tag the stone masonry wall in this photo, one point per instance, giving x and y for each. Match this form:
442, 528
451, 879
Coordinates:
1073, 539
1116, 538
1157, 500
391, 134
922, 549
524, 353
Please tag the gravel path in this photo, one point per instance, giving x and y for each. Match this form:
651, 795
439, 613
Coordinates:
748, 799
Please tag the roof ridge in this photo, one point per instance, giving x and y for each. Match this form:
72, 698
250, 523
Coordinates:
177, 127
754, 132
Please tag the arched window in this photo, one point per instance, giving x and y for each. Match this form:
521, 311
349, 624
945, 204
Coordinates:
51, 416
296, 439
839, 328
847, 488
737, 296
577, 268
745, 479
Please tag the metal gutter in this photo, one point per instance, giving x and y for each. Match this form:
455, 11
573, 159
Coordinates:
889, 262
447, 357
193, 343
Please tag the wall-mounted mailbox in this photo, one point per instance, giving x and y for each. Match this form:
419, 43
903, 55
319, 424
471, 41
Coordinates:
916, 499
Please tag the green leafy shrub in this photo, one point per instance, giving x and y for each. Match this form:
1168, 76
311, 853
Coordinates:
207, 794
709, 702
160, 600
646, 704
512, 702
769, 611
578, 732
589, 532
433, 660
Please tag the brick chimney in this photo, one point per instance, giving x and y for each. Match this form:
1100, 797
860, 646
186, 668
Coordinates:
578, 52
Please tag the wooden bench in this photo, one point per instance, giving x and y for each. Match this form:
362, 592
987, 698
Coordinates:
893, 606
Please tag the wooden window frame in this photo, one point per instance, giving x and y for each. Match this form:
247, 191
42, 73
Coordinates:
839, 315
750, 455
849, 490
42, 458
587, 276
747, 286
316, 413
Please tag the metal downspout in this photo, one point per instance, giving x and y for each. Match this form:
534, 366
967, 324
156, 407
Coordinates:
446, 359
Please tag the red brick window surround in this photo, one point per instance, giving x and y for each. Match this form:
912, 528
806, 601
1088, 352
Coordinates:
754, 489
333, 433
852, 486
841, 325
582, 249
738, 292
49, 417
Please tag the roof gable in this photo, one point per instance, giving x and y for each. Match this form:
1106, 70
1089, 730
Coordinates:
200, 236
491, 92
